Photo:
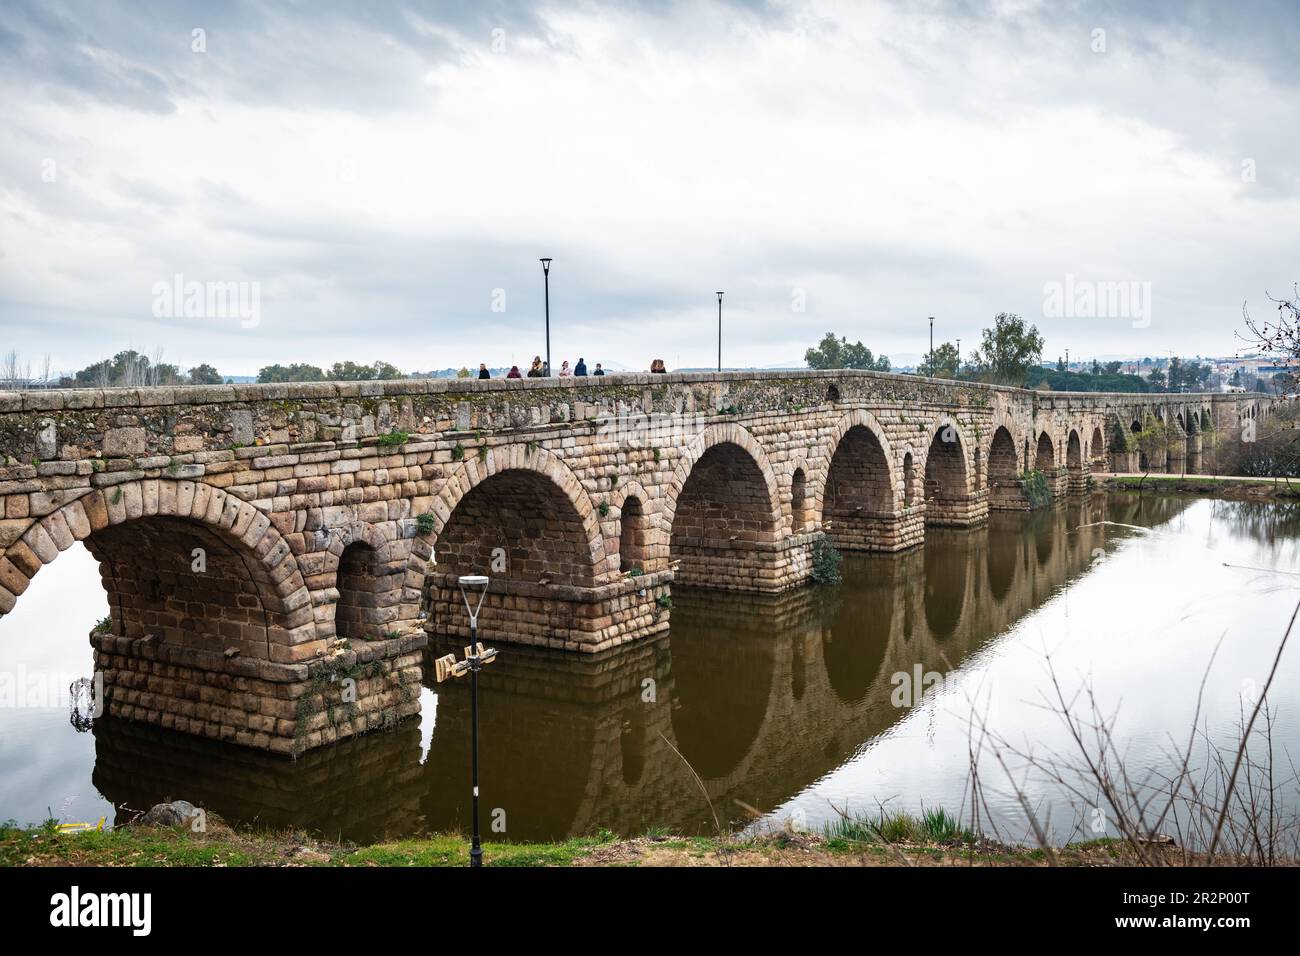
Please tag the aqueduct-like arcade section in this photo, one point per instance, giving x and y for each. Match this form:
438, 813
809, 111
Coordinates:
267, 548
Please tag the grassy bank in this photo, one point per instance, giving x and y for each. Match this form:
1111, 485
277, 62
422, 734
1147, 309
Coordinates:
892, 840
1257, 489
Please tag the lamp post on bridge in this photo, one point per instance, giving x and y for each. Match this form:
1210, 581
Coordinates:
931, 363
476, 656
720, 331
546, 279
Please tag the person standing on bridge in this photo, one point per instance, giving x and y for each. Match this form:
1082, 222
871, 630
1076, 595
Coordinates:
535, 370
658, 367
599, 370
483, 371
581, 367
564, 369
514, 372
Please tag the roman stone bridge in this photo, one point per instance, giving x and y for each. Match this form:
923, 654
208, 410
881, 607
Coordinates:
274, 554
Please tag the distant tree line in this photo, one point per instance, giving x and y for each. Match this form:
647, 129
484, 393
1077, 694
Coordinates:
338, 372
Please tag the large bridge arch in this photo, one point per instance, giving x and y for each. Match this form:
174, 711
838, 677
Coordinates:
858, 497
168, 548
950, 496
722, 513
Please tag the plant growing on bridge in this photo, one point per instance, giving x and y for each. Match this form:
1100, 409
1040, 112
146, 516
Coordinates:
603, 508
1036, 490
394, 437
424, 523
826, 560
458, 452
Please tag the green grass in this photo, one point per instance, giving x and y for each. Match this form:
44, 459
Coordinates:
932, 826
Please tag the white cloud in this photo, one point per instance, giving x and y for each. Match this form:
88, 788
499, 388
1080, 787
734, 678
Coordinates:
893, 164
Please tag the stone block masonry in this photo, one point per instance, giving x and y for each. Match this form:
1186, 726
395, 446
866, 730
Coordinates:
262, 546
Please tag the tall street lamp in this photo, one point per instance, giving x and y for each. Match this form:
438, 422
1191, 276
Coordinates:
546, 278
475, 657
720, 331
931, 346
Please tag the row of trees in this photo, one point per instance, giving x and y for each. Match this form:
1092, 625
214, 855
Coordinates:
1007, 352
338, 372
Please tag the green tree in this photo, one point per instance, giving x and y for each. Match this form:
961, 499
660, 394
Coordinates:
943, 364
205, 375
839, 353
1008, 350
1152, 440
298, 372
354, 372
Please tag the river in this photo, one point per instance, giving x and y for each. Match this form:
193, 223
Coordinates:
752, 711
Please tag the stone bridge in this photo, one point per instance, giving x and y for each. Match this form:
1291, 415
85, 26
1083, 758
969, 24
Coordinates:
274, 554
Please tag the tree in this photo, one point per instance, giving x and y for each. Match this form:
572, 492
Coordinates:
1008, 350
129, 369
1279, 338
1152, 440
1158, 380
353, 372
297, 372
205, 375
1060, 364
838, 353
946, 361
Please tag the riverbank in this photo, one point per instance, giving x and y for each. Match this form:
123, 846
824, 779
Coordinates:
1214, 486
222, 846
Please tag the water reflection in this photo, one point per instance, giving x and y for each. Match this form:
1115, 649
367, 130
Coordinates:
761, 696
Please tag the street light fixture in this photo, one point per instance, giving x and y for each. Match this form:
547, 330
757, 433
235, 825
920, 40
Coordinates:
931, 369
546, 278
476, 656
720, 331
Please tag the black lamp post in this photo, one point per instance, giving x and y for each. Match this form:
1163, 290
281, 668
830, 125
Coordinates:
720, 331
546, 278
475, 657
931, 346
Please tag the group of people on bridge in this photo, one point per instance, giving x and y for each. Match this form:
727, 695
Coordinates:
541, 369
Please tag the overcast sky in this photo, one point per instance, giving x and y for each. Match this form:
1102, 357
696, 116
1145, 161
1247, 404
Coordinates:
385, 176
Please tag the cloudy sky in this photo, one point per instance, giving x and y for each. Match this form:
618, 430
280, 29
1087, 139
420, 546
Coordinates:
385, 176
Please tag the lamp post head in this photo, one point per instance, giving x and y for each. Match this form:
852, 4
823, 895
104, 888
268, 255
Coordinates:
546, 264
473, 582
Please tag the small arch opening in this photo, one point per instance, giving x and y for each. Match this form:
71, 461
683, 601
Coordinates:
632, 535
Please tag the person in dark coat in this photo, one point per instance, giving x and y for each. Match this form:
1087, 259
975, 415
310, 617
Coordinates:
581, 367
535, 370
599, 370
483, 371
514, 372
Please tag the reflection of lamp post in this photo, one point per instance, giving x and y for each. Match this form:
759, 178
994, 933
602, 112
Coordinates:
475, 657
720, 331
546, 278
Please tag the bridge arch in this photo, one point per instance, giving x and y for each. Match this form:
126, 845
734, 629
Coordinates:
639, 538
947, 483
1045, 453
172, 555
521, 516
722, 511
859, 488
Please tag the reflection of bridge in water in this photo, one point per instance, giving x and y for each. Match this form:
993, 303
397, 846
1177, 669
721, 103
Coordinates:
763, 695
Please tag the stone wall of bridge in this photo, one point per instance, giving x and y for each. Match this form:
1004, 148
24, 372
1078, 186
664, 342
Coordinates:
286, 527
